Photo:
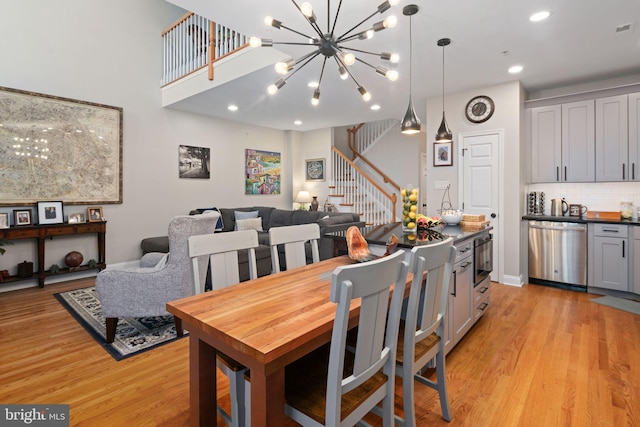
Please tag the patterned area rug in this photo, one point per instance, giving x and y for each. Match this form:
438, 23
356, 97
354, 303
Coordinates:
133, 336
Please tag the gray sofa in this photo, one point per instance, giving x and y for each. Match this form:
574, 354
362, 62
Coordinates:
271, 217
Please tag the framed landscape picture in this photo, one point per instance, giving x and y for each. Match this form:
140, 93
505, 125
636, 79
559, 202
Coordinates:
315, 170
442, 154
193, 162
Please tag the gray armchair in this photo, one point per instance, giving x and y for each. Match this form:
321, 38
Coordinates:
145, 291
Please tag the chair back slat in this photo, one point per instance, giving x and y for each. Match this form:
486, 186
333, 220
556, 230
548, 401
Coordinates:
222, 252
293, 238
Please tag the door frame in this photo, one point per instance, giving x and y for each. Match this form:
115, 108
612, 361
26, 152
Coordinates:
500, 229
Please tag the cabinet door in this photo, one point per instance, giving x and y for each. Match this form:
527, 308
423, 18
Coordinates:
635, 286
611, 263
578, 142
634, 136
462, 291
612, 143
546, 152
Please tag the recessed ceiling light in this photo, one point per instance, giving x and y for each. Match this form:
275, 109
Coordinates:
232, 108
313, 85
297, 122
375, 107
515, 69
539, 16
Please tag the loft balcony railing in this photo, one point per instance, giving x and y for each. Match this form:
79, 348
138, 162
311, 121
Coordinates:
194, 42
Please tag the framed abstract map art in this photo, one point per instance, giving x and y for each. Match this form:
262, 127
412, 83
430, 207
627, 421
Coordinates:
54, 148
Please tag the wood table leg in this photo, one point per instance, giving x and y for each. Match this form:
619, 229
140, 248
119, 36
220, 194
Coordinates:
202, 382
267, 399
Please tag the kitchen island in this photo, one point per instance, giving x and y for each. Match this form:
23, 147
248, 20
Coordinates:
470, 287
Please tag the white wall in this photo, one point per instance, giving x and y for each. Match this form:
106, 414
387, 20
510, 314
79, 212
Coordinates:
110, 52
509, 104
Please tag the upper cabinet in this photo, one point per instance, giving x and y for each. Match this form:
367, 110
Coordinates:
586, 141
612, 142
562, 143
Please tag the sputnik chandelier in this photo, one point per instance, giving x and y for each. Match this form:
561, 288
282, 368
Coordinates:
331, 46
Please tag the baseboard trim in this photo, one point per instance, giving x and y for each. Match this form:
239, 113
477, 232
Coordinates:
513, 281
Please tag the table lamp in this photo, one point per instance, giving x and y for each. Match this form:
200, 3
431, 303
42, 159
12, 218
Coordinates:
302, 198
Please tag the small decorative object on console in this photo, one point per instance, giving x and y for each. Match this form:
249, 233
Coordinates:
25, 269
73, 259
357, 246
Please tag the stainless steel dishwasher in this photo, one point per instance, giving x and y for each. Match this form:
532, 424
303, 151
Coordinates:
558, 254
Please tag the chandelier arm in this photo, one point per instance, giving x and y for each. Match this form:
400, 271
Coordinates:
313, 24
363, 51
335, 20
298, 43
311, 57
341, 38
354, 36
322, 71
365, 62
313, 53
295, 31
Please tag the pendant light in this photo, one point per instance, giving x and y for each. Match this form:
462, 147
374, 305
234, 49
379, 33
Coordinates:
444, 133
410, 122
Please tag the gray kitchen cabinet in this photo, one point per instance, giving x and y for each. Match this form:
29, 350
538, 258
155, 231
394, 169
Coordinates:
546, 143
634, 136
578, 142
563, 142
612, 142
610, 257
634, 271
460, 311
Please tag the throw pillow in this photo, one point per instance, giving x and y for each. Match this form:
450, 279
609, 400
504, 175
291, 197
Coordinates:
244, 215
249, 224
220, 223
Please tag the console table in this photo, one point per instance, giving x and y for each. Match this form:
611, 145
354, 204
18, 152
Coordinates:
43, 232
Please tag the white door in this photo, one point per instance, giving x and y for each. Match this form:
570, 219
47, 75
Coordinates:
480, 192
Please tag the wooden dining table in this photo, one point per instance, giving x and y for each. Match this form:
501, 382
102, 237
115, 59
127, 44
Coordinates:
265, 324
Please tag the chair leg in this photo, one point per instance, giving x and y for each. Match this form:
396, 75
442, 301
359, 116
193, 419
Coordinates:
111, 323
408, 390
442, 386
237, 396
178, 323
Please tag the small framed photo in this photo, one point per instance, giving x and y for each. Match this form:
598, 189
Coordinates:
76, 218
442, 154
21, 217
94, 213
315, 170
50, 213
4, 220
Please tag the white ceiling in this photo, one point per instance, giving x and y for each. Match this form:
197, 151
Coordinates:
576, 44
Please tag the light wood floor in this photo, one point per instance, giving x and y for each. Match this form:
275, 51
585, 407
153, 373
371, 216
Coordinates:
539, 357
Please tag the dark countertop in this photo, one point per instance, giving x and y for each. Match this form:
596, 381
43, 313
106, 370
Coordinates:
581, 220
380, 235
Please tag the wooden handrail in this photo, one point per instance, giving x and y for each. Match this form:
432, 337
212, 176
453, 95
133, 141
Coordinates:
178, 22
392, 197
356, 153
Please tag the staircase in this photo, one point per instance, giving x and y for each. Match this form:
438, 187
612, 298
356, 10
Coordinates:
358, 185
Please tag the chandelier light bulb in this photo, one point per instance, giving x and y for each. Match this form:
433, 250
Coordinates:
343, 73
272, 90
366, 96
268, 20
390, 21
394, 2
306, 9
283, 67
394, 58
392, 75
316, 97
349, 59
255, 42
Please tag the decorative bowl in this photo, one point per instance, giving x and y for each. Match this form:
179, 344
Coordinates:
452, 216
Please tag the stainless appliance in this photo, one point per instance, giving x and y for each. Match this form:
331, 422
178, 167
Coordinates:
559, 207
535, 203
483, 257
558, 254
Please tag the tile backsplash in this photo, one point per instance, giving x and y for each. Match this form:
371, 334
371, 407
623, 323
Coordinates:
598, 196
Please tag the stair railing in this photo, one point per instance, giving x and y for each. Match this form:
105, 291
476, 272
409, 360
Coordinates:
366, 197
194, 42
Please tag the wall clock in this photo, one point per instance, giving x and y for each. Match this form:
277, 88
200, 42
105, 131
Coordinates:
315, 169
479, 109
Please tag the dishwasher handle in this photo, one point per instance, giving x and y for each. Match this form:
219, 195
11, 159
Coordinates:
579, 227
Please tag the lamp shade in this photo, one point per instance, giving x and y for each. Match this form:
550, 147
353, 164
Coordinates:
303, 197
410, 122
444, 133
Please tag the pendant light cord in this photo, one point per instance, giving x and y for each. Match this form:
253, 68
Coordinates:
410, 56
443, 79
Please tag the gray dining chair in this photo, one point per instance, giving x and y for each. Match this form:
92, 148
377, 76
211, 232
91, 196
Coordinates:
294, 239
421, 335
221, 250
333, 386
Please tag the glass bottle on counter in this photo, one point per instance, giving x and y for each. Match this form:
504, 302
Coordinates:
626, 210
